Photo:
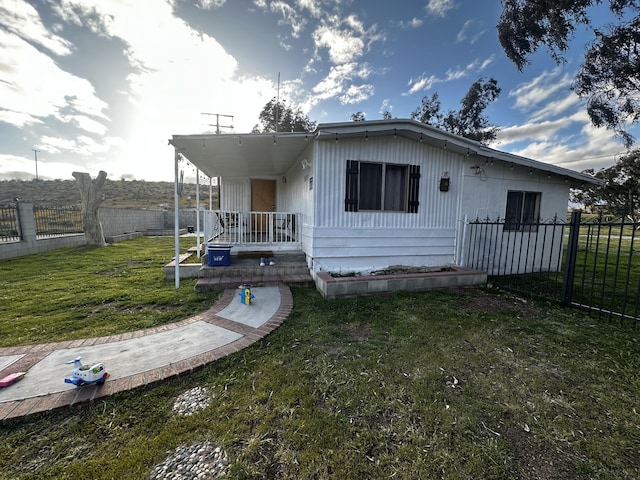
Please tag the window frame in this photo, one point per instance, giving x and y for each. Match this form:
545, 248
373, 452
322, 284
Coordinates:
524, 215
378, 200
374, 187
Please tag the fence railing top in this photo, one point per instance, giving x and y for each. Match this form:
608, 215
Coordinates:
502, 221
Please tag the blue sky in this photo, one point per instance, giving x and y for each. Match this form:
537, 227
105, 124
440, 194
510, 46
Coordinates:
103, 84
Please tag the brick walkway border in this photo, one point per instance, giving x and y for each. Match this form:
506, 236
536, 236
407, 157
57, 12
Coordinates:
17, 409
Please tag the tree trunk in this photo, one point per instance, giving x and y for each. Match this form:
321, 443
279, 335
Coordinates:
91, 196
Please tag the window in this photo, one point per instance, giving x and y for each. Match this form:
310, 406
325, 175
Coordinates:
523, 211
381, 186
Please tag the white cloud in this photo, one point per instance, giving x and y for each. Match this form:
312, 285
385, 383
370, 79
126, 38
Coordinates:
439, 8
559, 142
462, 34
85, 123
332, 85
557, 107
211, 4
411, 24
539, 89
386, 106
356, 94
342, 45
469, 31
533, 131
22, 19
34, 87
178, 73
421, 83
425, 82
289, 17
311, 6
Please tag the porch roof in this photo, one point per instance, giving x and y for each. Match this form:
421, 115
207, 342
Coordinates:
242, 155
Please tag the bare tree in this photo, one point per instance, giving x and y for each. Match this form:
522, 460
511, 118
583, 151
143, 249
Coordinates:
91, 196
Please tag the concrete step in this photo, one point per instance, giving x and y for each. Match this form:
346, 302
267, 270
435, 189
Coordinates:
255, 270
224, 282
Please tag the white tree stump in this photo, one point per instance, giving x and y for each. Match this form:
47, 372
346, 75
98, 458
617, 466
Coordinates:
91, 196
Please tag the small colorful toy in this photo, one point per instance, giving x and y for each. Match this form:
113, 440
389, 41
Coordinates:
11, 379
245, 294
86, 374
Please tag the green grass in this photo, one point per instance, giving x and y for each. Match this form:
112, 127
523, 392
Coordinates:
607, 274
454, 384
93, 291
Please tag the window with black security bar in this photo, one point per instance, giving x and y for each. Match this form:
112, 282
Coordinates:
373, 186
523, 211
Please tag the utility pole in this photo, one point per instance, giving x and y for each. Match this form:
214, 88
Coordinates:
35, 152
217, 124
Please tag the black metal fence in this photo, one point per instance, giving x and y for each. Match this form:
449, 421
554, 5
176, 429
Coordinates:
57, 220
9, 224
594, 265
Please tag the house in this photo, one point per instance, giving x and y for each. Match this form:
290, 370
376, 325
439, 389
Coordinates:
363, 196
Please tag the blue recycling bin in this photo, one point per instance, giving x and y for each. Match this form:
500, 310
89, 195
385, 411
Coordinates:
218, 255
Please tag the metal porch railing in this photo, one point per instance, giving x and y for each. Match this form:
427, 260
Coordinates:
251, 228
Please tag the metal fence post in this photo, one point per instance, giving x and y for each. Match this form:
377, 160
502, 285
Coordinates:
570, 261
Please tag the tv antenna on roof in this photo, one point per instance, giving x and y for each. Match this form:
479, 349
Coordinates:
217, 124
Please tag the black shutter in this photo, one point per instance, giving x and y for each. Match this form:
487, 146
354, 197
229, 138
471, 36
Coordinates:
351, 190
414, 188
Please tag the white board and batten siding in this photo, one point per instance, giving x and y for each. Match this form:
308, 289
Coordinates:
370, 240
512, 252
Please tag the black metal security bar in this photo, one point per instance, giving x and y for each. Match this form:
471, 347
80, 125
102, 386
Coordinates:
593, 265
57, 220
9, 224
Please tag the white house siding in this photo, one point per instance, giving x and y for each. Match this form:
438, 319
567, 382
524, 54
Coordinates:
235, 194
365, 241
296, 196
502, 252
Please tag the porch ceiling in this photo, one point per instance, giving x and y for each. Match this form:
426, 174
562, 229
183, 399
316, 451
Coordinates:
242, 155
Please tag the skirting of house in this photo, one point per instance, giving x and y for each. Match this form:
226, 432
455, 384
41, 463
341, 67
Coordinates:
334, 287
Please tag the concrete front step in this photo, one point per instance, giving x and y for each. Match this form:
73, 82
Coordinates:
280, 269
224, 282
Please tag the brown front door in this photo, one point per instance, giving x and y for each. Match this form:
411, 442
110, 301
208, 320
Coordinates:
263, 199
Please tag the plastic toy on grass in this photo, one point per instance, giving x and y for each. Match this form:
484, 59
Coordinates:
86, 374
11, 379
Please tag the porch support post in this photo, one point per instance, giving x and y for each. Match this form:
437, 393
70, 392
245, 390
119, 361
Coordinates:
198, 210
176, 219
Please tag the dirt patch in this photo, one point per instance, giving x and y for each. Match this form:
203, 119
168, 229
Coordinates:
535, 461
479, 299
395, 270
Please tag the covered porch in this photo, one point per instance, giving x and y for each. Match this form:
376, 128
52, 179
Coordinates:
259, 203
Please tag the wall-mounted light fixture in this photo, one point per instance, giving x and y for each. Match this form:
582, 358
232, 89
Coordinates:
304, 163
444, 182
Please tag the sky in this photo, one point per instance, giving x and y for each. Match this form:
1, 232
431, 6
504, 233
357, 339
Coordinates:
90, 85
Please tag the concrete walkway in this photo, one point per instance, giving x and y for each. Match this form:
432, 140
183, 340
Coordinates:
140, 358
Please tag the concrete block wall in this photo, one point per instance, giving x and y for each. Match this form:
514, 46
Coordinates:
186, 218
43, 245
116, 221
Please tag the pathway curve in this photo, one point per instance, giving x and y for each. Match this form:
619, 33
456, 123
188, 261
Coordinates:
139, 358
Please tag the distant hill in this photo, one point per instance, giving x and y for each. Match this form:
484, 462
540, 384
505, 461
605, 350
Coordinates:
118, 193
